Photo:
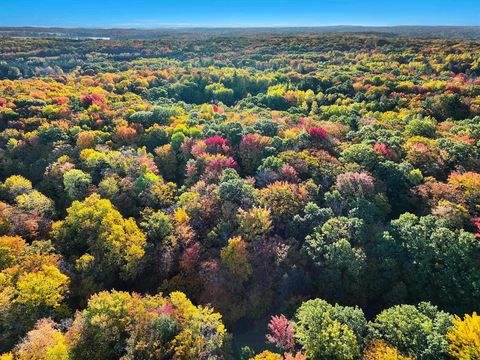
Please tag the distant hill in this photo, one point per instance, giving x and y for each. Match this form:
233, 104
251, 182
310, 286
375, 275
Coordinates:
146, 34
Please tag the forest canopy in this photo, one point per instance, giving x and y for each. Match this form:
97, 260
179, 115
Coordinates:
273, 197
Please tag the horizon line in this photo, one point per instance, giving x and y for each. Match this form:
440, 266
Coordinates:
195, 26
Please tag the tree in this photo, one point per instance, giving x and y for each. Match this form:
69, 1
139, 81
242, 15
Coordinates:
76, 183
126, 135
35, 201
356, 185
469, 184
95, 231
335, 249
202, 331
432, 261
317, 135
11, 248
380, 350
233, 132
8, 71
254, 224
122, 325
16, 185
151, 336
177, 140
418, 331
252, 150
234, 189
332, 332
219, 92
447, 106
361, 154
284, 200
297, 356
235, 258
281, 333
43, 342
267, 127
154, 136
163, 115
313, 216
464, 337
267, 355
44, 288
31, 287
86, 139
99, 331
156, 224
421, 127
216, 145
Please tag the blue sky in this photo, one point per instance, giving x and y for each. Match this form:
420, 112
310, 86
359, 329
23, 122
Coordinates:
214, 13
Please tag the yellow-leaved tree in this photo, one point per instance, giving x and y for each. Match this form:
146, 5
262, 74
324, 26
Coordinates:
101, 242
235, 257
464, 337
380, 350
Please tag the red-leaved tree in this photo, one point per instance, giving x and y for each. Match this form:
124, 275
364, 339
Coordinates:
476, 222
281, 333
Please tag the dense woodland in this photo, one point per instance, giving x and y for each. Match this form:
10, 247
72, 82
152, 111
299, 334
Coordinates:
158, 199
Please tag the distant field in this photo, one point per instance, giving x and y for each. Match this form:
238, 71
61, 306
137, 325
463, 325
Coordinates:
408, 31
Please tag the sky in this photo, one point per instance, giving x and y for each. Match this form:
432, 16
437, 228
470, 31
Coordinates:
236, 13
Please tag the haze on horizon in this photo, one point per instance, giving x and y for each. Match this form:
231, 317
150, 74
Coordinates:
245, 13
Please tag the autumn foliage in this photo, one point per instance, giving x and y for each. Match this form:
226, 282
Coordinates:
154, 194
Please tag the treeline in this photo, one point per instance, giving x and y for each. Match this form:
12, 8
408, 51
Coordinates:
455, 32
